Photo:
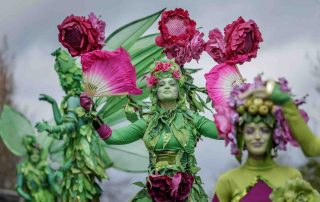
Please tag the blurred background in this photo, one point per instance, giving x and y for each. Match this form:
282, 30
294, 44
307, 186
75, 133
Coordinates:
291, 48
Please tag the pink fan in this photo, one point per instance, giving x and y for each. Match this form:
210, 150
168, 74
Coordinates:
108, 73
220, 81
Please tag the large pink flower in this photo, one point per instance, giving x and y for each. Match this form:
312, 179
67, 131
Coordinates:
175, 26
242, 40
109, 73
216, 46
81, 35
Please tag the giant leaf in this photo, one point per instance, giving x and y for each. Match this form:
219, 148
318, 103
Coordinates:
127, 35
13, 127
132, 157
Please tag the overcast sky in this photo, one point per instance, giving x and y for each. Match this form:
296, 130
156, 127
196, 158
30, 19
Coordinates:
290, 29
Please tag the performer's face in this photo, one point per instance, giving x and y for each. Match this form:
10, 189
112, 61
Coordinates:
168, 90
256, 137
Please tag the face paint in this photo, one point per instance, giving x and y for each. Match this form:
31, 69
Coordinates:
167, 90
256, 137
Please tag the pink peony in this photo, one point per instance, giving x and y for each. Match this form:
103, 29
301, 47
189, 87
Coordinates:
176, 74
197, 45
216, 46
162, 66
242, 40
81, 35
151, 80
181, 53
175, 26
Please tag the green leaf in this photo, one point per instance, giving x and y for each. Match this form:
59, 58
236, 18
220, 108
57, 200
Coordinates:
140, 184
131, 157
13, 127
128, 34
143, 43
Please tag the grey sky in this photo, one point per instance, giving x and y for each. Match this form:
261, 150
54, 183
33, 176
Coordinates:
290, 30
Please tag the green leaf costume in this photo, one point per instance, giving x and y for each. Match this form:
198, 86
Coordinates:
85, 158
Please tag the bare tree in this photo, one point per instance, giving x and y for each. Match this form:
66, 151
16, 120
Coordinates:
7, 160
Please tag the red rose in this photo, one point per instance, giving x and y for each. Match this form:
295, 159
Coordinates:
216, 46
81, 35
242, 40
159, 188
175, 27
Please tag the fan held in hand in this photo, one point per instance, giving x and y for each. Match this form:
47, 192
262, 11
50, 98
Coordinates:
108, 73
220, 81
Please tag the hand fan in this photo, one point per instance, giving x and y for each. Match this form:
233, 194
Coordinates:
220, 81
108, 73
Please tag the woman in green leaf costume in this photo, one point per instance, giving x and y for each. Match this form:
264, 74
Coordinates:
170, 133
84, 156
34, 176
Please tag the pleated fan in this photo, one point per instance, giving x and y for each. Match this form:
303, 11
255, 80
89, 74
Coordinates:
108, 73
220, 81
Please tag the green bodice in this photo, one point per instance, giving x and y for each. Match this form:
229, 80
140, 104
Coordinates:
170, 137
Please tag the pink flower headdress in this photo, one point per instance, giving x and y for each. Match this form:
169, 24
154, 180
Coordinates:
238, 111
161, 70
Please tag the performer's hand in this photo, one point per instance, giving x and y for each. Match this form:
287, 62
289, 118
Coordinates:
85, 101
43, 126
47, 98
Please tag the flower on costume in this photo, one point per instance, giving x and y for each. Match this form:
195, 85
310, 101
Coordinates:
179, 37
295, 190
159, 188
163, 188
81, 35
240, 43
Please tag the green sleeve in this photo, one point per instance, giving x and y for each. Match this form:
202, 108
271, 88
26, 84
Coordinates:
223, 191
206, 127
309, 142
128, 134
278, 96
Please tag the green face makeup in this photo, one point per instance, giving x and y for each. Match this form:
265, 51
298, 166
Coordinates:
256, 137
168, 90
